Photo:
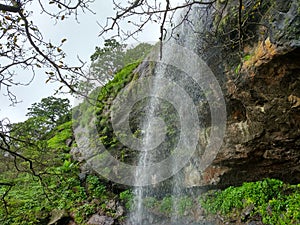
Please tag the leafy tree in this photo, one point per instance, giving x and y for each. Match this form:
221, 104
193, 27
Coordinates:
110, 59
138, 52
34, 128
112, 47
43, 117
51, 108
107, 60
26, 142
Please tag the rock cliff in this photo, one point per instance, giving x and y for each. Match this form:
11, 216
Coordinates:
262, 91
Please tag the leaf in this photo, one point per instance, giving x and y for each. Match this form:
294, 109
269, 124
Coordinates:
8, 17
63, 17
58, 49
63, 40
48, 80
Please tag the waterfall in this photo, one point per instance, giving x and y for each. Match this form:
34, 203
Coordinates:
172, 81
175, 134
145, 157
172, 118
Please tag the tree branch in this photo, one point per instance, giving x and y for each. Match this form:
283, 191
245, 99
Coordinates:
10, 185
9, 8
56, 67
240, 24
131, 10
162, 26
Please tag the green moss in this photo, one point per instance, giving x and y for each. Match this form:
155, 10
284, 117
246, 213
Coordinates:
105, 97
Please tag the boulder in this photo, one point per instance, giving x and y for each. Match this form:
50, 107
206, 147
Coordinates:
59, 217
100, 220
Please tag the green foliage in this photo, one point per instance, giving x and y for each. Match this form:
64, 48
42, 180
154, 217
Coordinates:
178, 206
137, 53
150, 202
103, 97
284, 209
62, 134
50, 150
184, 204
237, 69
95, 188
108, 60
50, 181
110, 45
32, 199
273, 200
43, 117
127, 198
110, 91
84, 211
166, 205
33, 129
52, 109
247, 57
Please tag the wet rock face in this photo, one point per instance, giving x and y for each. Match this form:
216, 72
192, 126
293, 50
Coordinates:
262, 94
264, 142
263, 105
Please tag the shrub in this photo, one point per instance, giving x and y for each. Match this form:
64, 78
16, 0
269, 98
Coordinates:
274, 201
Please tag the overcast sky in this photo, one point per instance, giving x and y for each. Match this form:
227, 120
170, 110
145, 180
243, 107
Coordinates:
82, 38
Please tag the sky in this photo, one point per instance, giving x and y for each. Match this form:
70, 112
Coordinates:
82, 38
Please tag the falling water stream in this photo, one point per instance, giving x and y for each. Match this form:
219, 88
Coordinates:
154, 128
145, 158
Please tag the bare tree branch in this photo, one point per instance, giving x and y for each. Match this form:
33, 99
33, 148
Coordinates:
240, 24
23, 47
162, 29
42, 54
16, 7
144, 9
